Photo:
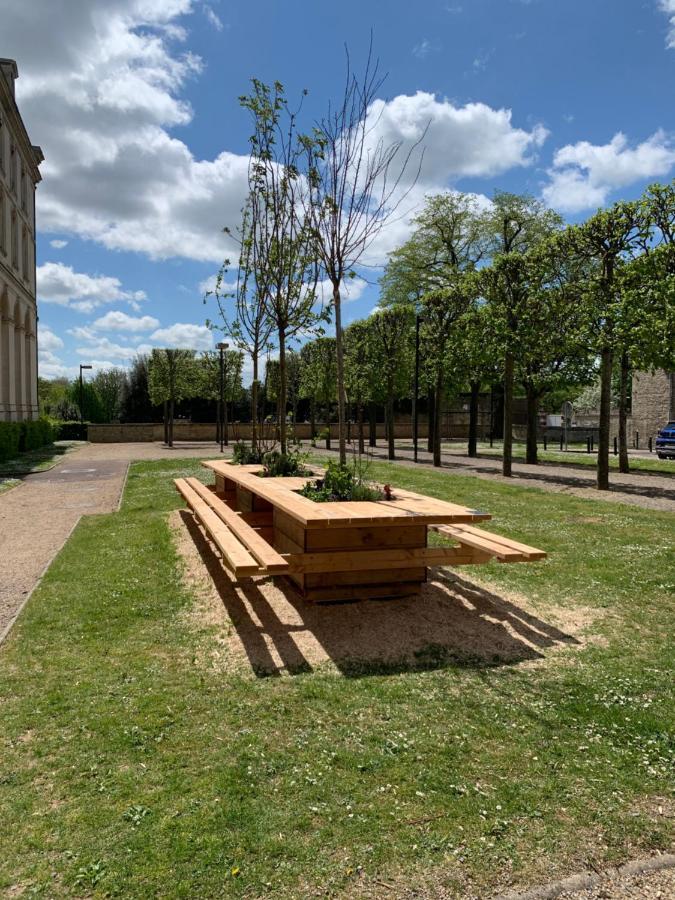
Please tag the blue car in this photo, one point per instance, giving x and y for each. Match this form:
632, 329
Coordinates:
665, 442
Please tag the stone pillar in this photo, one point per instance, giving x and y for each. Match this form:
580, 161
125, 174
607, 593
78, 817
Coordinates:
31, 369
19, 365
7, 364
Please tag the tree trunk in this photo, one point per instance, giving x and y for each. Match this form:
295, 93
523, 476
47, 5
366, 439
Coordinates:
372, 424
473, 418
359, 416
166, 422
623, 413
508, 416
254, 405
438, 419
430, 422
312, 418
340, 373
282, 390
328, 427
605, 410
391, 447
532, 424
171, 423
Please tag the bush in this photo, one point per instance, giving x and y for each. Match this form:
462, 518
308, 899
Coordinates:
282, 465
70, 431
18, 437
340, 483
10, 437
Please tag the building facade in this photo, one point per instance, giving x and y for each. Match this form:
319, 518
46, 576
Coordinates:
653, 402
19, 175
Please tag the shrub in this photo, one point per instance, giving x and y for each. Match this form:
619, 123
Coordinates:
10, 437
244, 455
280, 465
340, 483
70, 431
35, 434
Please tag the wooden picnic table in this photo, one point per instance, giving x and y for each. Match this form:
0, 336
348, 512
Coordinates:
337, 551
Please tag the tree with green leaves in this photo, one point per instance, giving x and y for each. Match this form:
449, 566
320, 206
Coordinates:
363, 381
136, 403
318, 378
110, 385
172, 377
272, 381
516, 224
393, 355
605, 243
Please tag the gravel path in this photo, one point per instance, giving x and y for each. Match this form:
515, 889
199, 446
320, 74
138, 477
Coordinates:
649, 490
37, 517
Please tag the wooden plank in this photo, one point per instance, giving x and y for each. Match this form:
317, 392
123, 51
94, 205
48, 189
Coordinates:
266, 555
531, 553
496, 545
235, 556
368, 537
337, 561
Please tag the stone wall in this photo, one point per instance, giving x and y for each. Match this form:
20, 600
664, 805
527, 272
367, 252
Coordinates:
653, 402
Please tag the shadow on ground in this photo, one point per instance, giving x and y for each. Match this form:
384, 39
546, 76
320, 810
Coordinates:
452, 623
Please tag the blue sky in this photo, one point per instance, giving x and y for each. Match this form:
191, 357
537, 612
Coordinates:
134, 103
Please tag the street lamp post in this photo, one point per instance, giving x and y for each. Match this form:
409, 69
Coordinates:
417, 387
82, 399
222, 418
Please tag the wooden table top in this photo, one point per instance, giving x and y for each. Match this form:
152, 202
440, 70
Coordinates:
407, 507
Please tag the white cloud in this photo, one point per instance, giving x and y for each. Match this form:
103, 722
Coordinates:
213, 17
668, 7
474, 140
115, 320
423, 49
584, 174
109, 350
57, 283
351, 289
47, 340
58, 244
185, 336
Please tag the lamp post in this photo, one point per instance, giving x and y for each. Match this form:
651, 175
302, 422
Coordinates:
222, 419
417, 387
82, 399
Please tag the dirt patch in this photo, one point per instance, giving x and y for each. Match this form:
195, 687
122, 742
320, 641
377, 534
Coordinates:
264, 626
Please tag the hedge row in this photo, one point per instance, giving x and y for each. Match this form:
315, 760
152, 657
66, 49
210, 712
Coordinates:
17, 437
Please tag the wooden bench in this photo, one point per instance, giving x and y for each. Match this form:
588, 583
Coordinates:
487, 544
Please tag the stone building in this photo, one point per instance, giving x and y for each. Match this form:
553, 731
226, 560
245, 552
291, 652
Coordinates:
19, 174
653, 403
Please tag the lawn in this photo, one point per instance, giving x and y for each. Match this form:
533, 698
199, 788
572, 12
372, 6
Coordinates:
571, 457
37, 460
131, 768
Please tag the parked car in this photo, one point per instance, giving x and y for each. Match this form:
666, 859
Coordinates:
665, 442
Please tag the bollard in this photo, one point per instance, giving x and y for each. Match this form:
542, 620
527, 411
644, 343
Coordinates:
616, 448
650, 445
637, 440
561, 442
490, 438
588, 444
592, 443
545, 442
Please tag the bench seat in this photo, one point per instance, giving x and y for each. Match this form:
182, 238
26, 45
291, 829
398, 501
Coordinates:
485, 543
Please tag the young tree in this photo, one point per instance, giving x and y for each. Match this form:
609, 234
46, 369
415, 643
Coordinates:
392, 347
362, 371
516, 224
172, 376
356, 186
136, 403
318, 378
604, 243
283, 250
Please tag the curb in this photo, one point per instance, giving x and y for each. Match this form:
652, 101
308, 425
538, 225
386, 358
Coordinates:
587, 880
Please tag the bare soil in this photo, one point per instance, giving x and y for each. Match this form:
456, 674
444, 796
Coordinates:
263, 626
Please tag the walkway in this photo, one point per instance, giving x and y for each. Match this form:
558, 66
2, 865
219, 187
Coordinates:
37, 516
650, 490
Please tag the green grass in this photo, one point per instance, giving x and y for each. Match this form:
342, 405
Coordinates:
129, 768
7, 484
37, 460
570, 457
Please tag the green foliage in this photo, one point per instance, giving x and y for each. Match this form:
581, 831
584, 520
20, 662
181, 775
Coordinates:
281, 465
340, 482
110, 386
22, 437
245, 455
172, 376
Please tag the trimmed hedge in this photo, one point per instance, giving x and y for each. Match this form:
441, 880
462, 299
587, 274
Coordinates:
18, 437
70, 431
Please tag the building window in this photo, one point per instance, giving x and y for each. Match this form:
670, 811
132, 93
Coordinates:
24, 253
12, 169
3, 224
15, 240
